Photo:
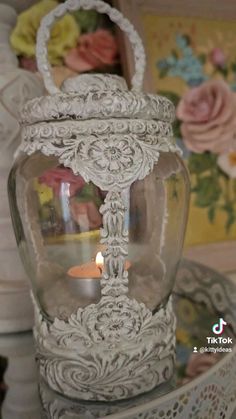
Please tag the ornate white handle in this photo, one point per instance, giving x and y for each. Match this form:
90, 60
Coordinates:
70, 6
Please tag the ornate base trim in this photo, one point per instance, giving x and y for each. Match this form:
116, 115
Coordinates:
113, 350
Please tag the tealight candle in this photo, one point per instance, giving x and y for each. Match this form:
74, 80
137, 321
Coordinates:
85, 278
91, 269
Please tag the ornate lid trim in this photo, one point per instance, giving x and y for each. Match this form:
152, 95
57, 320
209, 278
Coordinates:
149, 131
100, 104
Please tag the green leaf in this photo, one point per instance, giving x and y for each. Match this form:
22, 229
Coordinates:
87, 20
228, 207
174, 53
202, 58
187, 39
233, 67
223, 174
211, 214
199, 163
230, 221
223, 70
174, 98
207, 191
163, 72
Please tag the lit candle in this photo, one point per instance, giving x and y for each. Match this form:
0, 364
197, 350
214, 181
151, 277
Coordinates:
91, 269
85, 279
99, 262
87, 270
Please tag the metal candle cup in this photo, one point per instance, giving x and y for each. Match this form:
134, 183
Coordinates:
85, 279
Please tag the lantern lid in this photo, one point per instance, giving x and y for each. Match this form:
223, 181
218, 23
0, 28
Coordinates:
97, 96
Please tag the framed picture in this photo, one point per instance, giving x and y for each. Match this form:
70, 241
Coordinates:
191, 58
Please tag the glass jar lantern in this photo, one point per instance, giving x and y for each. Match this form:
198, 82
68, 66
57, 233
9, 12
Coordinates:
99, 199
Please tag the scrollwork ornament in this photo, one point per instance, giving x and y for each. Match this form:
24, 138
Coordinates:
113, 161
115, 237
111, 350
213, 393
150, 131
100, 104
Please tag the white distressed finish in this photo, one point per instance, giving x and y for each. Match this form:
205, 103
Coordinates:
112, 350
102, 7
211, 395
116, 348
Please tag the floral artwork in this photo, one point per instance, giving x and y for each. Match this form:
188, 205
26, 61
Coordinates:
81, 41
193, 327
59, 189
193, 62
65, 32
94, 50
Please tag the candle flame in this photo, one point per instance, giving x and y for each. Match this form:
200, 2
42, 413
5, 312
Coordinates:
99, 259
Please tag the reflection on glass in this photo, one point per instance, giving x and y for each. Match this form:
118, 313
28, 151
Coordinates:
58, 231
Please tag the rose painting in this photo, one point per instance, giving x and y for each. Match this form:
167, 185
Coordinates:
83, 41
193, 62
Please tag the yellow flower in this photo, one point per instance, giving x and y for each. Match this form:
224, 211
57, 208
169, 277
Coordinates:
182, 336
186, 311
45, 193
64, 34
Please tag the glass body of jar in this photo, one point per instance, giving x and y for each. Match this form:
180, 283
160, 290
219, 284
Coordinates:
57, 223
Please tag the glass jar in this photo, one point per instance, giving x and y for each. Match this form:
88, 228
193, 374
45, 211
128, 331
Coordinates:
57, 224
99, 199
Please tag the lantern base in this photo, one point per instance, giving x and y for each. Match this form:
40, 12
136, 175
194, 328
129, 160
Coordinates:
112, 350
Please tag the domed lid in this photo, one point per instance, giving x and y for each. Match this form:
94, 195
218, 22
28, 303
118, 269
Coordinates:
97, 96
94, 95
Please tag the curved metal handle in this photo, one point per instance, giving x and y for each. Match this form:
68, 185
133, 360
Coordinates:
43, 36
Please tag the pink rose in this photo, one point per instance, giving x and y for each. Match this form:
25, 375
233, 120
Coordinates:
208, 117
86, 214
95, 50
198, 364
217, 57
54, 178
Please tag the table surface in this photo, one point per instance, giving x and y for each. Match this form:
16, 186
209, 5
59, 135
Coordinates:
22, 400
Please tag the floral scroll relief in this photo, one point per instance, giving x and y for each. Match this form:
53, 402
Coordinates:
111, 350
113, 161
115, 348
115, 237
